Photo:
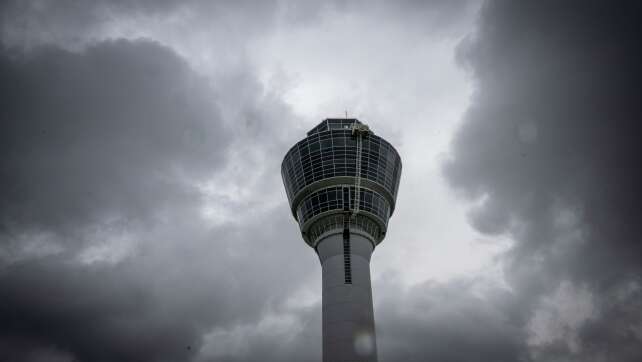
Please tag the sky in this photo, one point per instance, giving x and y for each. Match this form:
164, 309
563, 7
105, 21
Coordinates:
142, 211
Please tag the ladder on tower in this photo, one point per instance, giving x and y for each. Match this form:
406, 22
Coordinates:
358, 131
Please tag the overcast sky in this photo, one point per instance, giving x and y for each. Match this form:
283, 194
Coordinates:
143, 216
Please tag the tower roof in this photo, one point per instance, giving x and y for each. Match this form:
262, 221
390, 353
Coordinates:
333, 123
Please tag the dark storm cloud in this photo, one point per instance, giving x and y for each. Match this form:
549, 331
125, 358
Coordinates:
104, 148
551, 149
111, 132
99, 137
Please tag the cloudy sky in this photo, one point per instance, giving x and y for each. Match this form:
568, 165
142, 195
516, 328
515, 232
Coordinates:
143, 218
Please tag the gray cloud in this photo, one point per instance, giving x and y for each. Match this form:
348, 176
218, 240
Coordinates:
435, 15
73, 24
155, 305
111, 132
31, 23
449, 322
550, 148
105, 254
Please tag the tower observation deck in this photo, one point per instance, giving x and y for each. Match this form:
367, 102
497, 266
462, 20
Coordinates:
341, 182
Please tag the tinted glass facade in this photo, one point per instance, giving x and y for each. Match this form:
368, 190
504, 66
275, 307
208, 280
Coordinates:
334, 198
319, 175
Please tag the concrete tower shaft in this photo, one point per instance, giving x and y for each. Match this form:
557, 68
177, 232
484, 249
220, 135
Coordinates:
342, 182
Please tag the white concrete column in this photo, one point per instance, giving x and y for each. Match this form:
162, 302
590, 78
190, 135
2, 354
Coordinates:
348, 318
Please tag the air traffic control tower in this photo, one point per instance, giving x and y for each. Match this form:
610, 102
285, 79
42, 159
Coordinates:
342, 182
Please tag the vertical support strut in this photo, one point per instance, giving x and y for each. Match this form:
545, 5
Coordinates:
359, 131
357, 179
